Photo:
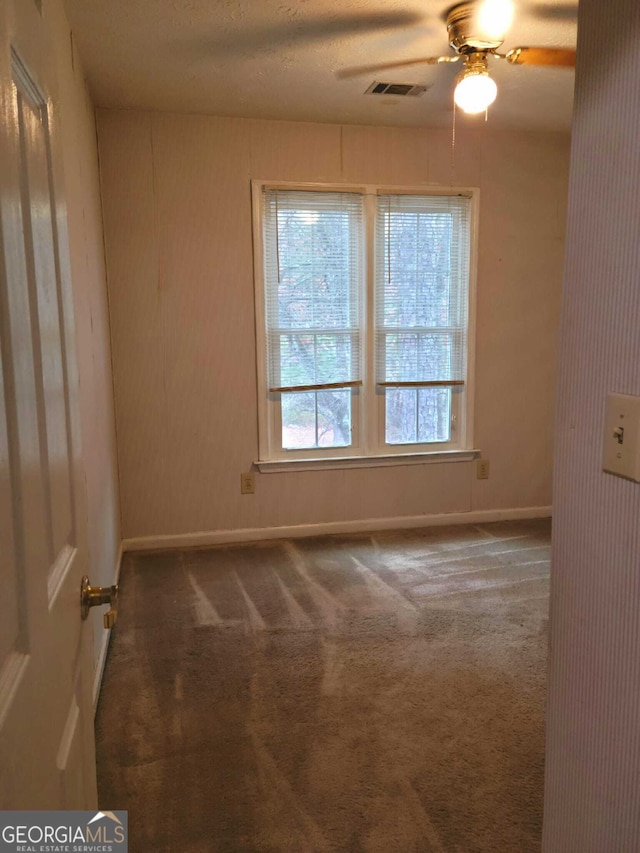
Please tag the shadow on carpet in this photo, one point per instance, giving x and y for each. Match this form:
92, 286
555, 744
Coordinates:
374, 693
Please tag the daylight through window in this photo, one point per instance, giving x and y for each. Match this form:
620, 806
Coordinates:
363, 321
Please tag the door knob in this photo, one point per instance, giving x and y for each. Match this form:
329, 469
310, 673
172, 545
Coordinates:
93, 596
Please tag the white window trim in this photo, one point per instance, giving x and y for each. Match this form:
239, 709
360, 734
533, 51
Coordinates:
364, 452
388, 460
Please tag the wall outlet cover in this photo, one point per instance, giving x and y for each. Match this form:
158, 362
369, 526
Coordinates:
248, 483
482, 469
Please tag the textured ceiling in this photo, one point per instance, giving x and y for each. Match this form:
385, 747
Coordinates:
278, 59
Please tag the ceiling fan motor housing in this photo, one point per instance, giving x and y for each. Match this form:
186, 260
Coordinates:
475, 62
464, 34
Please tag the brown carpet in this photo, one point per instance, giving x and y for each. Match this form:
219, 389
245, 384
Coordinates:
369, 693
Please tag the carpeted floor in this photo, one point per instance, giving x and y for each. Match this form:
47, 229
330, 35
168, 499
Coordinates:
371, 693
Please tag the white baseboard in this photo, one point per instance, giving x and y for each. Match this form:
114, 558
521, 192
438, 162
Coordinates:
252, 534
98, 671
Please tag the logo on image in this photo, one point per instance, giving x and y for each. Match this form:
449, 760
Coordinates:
63, 832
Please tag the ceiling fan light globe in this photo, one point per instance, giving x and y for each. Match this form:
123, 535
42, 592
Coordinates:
475, 92
495, 17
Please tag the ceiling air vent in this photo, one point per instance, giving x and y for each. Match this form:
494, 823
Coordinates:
403, 89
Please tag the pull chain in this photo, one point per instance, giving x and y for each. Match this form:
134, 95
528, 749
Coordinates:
453, 146
277, 238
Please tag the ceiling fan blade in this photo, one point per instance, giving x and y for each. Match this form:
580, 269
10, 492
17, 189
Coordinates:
562, 12
240, 41
558, 56
386, 66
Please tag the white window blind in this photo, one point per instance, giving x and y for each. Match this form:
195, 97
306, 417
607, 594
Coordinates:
313, 270
421, 290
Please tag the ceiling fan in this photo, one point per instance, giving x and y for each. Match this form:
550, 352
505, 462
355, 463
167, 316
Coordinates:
476, 29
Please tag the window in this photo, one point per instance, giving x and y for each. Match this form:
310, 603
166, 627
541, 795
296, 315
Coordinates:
363, 302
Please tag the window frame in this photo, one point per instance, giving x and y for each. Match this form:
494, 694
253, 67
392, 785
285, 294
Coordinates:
367, 401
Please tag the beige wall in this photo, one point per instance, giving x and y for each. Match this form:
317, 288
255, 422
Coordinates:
176, 195
82, 189
592, 796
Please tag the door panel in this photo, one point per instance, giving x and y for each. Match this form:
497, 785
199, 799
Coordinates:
9, 587
46, 720
46, 312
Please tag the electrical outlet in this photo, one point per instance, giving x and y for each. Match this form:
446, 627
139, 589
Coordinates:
248, 483
482, 469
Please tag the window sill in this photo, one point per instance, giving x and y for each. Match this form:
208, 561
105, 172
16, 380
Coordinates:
276, 466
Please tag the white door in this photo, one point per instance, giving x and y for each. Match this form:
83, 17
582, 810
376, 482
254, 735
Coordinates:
47, 758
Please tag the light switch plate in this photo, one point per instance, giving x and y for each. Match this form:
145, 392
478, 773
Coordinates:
621, 447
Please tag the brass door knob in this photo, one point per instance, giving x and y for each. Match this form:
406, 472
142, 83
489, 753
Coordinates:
93, 596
